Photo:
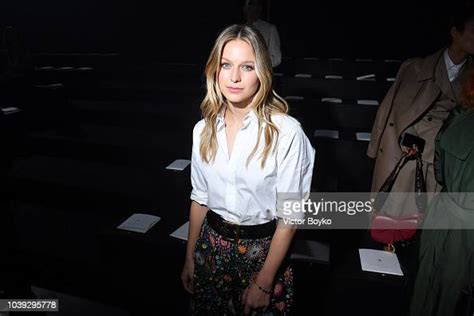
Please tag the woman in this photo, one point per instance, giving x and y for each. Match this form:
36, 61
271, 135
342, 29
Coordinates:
246, 153
447, 240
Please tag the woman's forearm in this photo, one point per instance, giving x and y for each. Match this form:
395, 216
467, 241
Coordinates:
281, 242
197, 213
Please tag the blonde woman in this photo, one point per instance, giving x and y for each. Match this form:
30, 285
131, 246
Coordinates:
247, 153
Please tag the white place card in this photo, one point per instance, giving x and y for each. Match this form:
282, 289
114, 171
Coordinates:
331, 100
178, 164
368, 102
303, 76
366, 77
181, 232
333, 77
380, 261
139, 223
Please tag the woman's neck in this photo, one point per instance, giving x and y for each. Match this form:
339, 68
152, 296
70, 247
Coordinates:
236, 114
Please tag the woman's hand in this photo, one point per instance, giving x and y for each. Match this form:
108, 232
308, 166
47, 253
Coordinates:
255, 299
187, 275
410, 151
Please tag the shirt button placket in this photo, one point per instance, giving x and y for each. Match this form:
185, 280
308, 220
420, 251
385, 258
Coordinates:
232, 168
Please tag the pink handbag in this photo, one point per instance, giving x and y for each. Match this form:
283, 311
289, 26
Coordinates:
388, 229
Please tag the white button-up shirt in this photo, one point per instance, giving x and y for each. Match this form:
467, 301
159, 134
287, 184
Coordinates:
248, 195
452, 68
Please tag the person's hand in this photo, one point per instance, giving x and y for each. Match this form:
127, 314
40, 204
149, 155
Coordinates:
410, 151
254, 299
187, 275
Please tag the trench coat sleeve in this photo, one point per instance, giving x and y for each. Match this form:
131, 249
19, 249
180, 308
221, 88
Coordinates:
384, 111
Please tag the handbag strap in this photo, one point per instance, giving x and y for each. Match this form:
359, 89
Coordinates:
388, 183
386, 187
420, 186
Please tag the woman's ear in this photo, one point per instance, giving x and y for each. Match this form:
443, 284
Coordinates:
454, 33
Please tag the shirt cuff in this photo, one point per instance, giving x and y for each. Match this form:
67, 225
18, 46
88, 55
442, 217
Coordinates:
199, 197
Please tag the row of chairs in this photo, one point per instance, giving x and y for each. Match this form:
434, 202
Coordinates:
344, 89
325, 114
347, 68
341, 162
76, 59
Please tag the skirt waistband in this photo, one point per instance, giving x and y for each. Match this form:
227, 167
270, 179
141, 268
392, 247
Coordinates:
231, 231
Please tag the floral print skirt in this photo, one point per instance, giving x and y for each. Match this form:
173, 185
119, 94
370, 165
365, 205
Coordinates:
223, 269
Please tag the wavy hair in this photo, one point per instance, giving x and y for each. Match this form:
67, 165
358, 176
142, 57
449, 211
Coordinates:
265, 102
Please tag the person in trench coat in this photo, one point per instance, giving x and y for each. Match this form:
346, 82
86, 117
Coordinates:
425, 91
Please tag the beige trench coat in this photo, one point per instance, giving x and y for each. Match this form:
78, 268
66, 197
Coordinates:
413, 93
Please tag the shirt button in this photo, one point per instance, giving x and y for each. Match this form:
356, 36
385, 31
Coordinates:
429, 118
381, 150
391, 124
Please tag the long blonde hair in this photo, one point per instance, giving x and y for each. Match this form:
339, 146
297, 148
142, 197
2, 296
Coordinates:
265, 103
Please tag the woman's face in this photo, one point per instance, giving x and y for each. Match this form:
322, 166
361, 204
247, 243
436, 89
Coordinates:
238, 80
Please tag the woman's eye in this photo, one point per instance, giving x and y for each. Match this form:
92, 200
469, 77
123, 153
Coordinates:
225, 65
247, 68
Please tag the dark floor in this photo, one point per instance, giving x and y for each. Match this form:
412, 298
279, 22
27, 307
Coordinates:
82, 157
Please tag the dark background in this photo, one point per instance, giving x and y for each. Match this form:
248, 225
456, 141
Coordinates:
184, 30
88, 148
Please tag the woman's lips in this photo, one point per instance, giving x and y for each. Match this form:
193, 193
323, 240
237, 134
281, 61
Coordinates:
234, 89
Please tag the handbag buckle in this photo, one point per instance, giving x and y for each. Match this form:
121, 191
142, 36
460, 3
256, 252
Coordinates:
389, 248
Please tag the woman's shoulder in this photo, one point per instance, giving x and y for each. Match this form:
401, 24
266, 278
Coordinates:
286, 123
199, 126
197, 130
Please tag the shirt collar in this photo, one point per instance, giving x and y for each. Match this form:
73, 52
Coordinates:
220, 118
452, 68
249, 118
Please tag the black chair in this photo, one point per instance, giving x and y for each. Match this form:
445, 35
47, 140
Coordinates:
347, 117
347, 90
341, 162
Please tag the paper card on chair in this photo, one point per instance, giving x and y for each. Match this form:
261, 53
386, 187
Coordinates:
178, 164
331, 100
294, 97
303, 76
181, 232
139, 223
363, 136
380, 261
366, 77
10, 110
368, 102
333, 77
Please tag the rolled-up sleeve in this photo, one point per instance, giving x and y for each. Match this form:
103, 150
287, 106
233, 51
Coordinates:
295, 159
198, 181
